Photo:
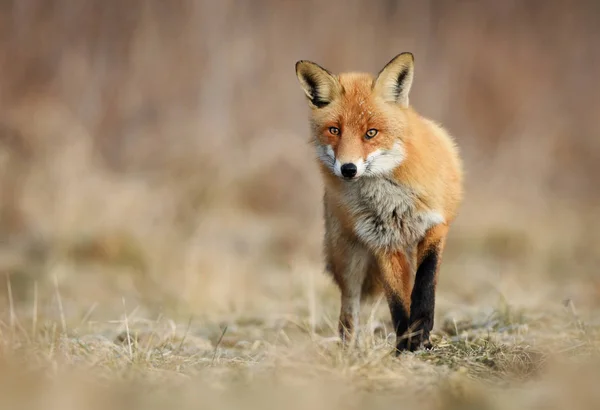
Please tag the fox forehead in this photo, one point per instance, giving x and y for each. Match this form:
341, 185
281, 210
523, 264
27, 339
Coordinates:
356, 85
356, 107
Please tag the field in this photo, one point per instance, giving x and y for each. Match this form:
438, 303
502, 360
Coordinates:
160, 207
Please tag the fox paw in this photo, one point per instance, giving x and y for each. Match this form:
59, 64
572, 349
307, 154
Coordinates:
413, 343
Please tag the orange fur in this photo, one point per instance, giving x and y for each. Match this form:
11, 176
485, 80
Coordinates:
385, 219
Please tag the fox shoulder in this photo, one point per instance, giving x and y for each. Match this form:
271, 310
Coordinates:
434, 164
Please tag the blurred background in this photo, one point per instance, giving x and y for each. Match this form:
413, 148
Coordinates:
158, 151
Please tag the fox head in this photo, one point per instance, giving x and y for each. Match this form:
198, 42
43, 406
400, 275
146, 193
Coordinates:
358, 120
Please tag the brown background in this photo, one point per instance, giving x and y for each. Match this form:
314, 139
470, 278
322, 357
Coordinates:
158, 150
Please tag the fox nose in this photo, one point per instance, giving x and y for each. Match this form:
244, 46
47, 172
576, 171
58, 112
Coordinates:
348, 170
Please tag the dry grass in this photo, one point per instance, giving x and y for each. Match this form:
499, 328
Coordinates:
505, 358
160, 215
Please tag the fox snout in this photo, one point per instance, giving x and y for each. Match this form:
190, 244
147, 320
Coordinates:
349, 170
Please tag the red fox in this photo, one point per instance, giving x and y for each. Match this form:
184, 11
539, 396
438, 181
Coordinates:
393, 185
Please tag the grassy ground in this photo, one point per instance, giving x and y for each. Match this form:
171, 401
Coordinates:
490, 354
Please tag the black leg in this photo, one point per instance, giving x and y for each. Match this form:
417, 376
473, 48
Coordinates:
423, 299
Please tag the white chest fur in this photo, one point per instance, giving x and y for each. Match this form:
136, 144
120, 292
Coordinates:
386, 215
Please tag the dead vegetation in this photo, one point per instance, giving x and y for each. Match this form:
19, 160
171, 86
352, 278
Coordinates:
160, 216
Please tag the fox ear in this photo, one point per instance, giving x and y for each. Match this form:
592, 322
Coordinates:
319, 85
395, 79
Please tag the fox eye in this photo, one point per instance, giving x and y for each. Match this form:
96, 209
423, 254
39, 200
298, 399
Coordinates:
371, 133
334, 130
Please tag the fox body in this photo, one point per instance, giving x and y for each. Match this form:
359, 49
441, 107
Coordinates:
393, 185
